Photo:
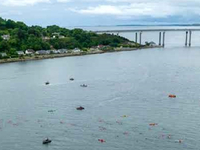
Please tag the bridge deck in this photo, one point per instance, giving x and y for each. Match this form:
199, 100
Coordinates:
144, 30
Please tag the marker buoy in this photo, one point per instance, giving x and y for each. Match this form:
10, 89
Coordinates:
153, 124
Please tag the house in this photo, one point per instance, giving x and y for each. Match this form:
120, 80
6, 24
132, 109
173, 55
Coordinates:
62, 51
55, 52
131, 43
55, 34
6, 37
94, 48
100, 46
48, 52
29, 51
152, 43
76, 50
46, 38
103, 47
20, 53
3, 54
41, 52
61, 37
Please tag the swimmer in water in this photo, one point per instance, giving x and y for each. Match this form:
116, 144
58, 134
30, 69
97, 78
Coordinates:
169, 136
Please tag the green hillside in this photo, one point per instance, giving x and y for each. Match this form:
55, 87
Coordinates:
17, 36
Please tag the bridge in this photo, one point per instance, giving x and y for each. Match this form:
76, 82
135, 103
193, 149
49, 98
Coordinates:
188, 32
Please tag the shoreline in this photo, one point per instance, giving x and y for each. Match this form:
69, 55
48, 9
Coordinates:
52, 56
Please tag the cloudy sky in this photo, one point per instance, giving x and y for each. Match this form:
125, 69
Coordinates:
100, 12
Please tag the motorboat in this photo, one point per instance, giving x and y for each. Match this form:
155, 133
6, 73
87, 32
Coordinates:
47, 141
80, 108
47, 83
83, 85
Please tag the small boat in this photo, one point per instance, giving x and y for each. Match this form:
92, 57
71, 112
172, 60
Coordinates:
51, 110
47, 141
47, 83
172, 96
71, 79
83, 85
80, 108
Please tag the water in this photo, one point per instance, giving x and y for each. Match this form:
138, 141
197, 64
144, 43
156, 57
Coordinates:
135, 84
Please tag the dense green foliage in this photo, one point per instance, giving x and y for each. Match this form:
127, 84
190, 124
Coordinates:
23, 37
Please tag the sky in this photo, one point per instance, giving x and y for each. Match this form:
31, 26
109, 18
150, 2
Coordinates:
68, 13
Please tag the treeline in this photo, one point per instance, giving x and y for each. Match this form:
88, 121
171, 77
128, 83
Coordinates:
24, 37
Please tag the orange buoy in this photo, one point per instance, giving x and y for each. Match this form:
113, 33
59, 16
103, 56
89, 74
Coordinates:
172, 96
153, 124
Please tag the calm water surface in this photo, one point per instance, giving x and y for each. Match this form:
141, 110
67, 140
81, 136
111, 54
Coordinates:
135, 84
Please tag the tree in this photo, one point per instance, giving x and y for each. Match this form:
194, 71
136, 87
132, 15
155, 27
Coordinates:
10, 24
4, 46
31, 37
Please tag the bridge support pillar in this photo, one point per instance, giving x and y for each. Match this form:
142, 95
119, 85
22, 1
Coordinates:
190, 38
163, 44
186, 39
159, 38
136, 36
140, 38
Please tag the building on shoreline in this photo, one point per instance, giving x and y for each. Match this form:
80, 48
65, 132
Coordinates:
6, 37
62, 51
20, 53
41, 52
76, 50
3, 54
29, 52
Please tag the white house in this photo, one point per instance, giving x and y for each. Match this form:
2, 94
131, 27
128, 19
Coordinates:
6, 37
41, 52
3, 54
58, 36
46, 38
62, 51
29, 51
55, 34
20, 53
61, 37
76, 50
48, 52
55, 52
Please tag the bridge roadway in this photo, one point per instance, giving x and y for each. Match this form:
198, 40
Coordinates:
188, 38
144, 30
